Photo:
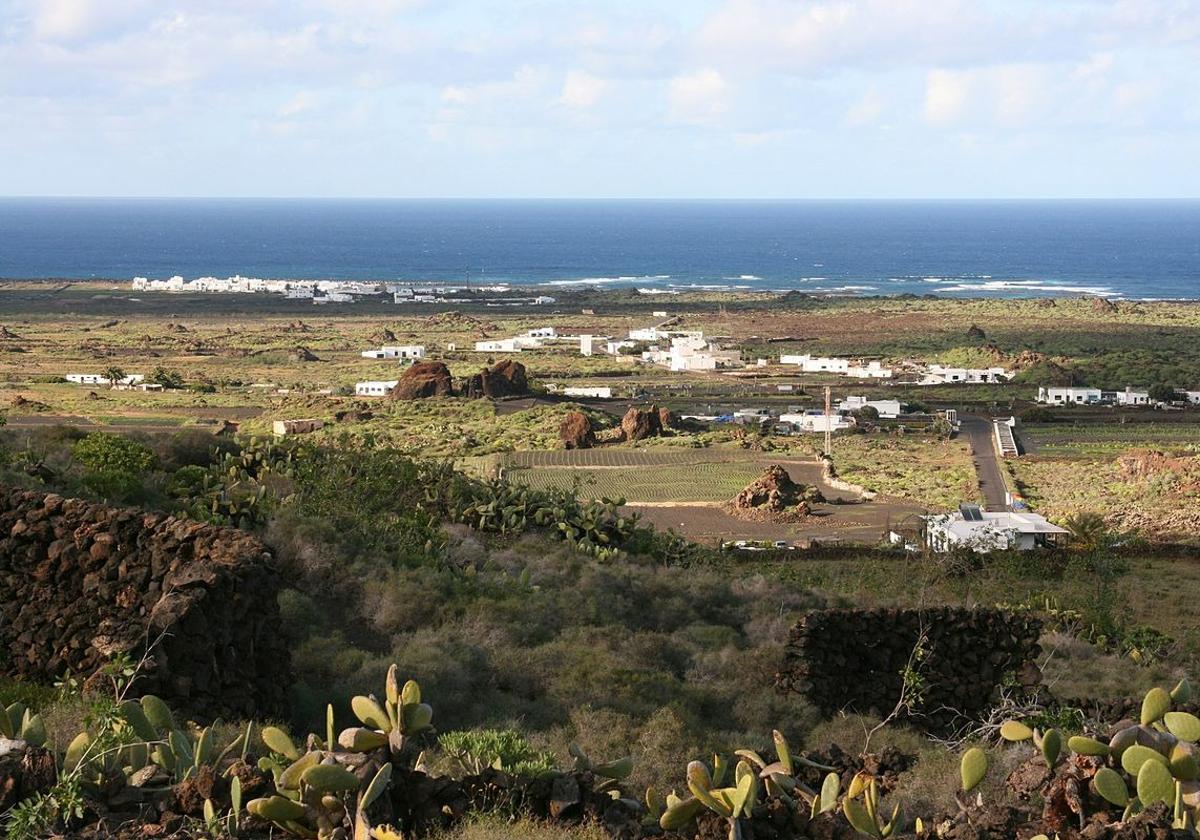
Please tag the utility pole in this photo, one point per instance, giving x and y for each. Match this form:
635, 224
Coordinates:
828, 423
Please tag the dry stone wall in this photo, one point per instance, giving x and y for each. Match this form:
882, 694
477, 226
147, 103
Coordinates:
856, 660
81, 582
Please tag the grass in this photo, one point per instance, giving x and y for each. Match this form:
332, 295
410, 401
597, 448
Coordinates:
935, 473
1163, 507
1109, 438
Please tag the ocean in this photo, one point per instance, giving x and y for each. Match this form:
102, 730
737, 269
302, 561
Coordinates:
1129, 249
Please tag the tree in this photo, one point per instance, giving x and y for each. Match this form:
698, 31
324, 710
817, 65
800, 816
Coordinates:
867, 412
103, 451
114, 465
1162, 392
1089, 531
114, 375
167, 378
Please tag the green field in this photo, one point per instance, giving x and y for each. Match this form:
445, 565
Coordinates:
1108, 438
654, 476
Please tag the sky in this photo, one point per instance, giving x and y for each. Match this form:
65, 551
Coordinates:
601, 98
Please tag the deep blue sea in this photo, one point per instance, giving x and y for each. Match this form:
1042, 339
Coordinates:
1133, 249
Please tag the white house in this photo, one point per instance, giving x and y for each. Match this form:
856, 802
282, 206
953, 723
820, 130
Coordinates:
1128, 397
379, 388
647, 334
985, 530
1069, 396
822, 364
817, 421
501, 345
396, 351
100, 379
614, 348
942, 375
871, 370
601, 393
888, 409
542, 332
587, 345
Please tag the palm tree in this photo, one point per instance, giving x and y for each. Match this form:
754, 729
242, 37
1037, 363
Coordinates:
1089, 531
114, 375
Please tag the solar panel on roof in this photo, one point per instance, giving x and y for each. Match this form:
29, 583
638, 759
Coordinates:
971, 513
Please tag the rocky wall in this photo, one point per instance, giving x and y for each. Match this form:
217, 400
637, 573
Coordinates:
856, 660
82, 582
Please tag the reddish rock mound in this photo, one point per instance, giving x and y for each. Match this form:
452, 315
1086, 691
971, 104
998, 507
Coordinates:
776, 496
576, 431
1148, 463
422, 380
504, 379
639, 424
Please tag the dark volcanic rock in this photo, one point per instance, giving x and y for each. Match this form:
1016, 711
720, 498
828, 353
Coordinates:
422, 380
83, 582
639, 424
576, 431
504, 379
773, 491
302, 354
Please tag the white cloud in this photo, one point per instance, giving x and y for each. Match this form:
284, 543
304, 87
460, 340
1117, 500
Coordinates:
302, 102
526, 82
582, 90
75, 20
866, 111
699, 97
946, 93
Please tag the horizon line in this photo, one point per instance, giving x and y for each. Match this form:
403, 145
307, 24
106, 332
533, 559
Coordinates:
598, 199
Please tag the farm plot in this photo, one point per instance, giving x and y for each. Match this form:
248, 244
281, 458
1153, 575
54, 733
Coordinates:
648, 476
1086, 440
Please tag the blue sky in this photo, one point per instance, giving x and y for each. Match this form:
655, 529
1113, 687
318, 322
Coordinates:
601, 98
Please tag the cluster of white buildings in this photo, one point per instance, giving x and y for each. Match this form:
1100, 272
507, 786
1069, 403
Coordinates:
99, 379
930, 374
1094, 396
534, 339
942, 375
842, 367
403, 352
335, 291
319, 291
688, 351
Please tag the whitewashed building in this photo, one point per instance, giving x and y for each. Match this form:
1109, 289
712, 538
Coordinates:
498, 345
600, 393
1069, 396
817, 421
871, 370
374, 388
398, 351
1127, 397
817, 364
888, 409
100, 379
985, 530
942, 375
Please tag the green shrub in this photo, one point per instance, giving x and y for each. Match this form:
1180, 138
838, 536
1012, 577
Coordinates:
106, 452
503, 749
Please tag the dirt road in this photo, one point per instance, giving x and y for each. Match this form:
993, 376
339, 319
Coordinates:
978, 432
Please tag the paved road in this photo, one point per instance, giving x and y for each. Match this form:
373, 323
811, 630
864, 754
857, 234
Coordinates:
978, 432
